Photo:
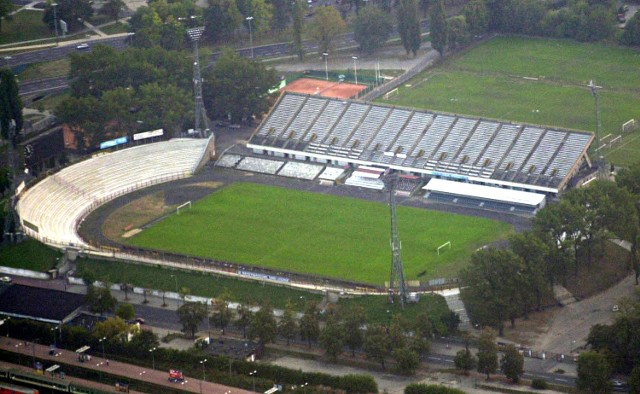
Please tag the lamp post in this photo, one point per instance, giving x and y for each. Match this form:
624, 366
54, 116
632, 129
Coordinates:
55, 20
355, 67
176, 279
253, 375
203, 375
53, 330
101, 340
153, 357
600, 158
326, 67
304, 387
249, 19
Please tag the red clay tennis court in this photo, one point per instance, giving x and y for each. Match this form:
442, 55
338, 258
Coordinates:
324, 88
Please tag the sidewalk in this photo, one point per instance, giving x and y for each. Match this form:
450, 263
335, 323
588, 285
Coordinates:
127, 371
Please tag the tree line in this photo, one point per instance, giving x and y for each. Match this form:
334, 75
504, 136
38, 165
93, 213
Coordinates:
115, 94
500, 285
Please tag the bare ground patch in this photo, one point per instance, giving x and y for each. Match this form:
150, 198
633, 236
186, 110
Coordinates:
134, 215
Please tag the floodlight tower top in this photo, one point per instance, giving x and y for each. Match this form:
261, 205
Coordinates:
195, 33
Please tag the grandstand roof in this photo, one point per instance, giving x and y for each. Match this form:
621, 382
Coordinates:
485, 192
52, 306
439, 144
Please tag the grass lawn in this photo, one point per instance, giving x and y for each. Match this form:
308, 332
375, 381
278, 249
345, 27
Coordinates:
49, 103
114, 28
56, 68
378, 310
494, 80
205, 285
25, 25
318, 234
30, 254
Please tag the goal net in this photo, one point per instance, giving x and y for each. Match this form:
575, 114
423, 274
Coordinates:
183, 207
391, 93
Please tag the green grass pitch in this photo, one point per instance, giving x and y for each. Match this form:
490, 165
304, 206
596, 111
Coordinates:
319, 234
538, 81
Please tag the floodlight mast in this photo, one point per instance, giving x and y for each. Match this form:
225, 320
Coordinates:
201, 114
12, 230
396, 281
599, 157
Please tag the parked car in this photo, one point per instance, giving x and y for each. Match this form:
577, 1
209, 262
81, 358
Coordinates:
5, 279
82, 46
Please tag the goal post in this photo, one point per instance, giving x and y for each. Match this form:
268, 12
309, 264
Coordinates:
629, 125
183, 206
391, 93
444, 245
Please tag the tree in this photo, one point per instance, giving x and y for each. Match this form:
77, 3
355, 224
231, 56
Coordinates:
457, 33
125, 311
593, 373
6, 6
221, 18
310, 323
476, 15
438, 27
325, 27
631, 33
533, 252
331, 337
288, 326
145, 340
74, 12
10, 104
421, 388
298, 23
237, 87
407, 360
372, 28
100, 299
409, 26
494, 285
281, 10
112, 8
263, 325
464, 361
165, 106
222, 314
377, 344
512, 363
634, 380
244, 318
487, 353
114, 328
191, 315
354, 319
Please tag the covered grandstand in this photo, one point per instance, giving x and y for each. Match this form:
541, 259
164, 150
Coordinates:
52, 209
534, 159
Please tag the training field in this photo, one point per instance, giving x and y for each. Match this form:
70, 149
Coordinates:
539, 81
319, 234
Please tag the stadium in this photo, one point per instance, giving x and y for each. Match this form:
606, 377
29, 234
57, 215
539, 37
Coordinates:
328, 146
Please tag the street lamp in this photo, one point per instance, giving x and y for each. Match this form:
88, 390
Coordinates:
253, 375
101, 340
53, 330
600, 158
326, 68
250, 18
304, 387
355, 67
153, 357
203, 375
55, 20
178, 300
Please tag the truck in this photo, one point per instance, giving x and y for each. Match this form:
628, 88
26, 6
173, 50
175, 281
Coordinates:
175, 376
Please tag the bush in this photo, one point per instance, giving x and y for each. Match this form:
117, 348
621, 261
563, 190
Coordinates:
358, 384
430, 389
539, 384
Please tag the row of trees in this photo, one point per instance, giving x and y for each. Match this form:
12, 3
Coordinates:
120, 93
486, 360
334, 331
502, 284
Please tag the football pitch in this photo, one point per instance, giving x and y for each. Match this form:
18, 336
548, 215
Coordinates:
319, 234
538, 81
